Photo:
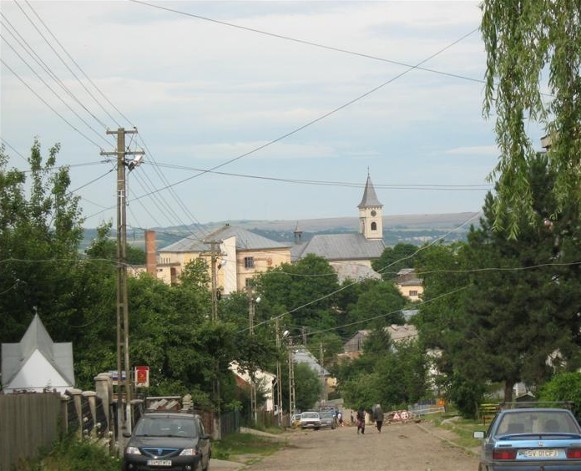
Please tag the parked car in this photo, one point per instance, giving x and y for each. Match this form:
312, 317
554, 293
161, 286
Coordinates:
328, 419
164, 440
530, 439
310, 419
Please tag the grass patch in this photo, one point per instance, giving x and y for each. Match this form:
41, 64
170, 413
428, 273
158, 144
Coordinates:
464, 429
71, 454
238, 445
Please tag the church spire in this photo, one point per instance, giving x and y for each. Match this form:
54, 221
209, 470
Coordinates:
370, 213
369, 196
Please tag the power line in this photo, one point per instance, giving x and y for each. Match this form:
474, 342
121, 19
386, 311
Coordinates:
414, 186
311, 43
316, 120
81, 70
49, 106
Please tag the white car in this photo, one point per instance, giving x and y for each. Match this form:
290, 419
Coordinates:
310, 419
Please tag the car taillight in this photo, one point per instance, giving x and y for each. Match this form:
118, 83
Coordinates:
504, 454
574, 453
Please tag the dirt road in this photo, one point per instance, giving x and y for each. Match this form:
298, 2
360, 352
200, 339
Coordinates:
402, 447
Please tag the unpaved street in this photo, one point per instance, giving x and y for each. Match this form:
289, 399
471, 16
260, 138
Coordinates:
401, 447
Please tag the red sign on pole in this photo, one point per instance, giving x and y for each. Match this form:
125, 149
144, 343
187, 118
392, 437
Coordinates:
142, 376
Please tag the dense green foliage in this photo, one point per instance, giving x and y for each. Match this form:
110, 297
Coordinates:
70, 454
495, 309
498, 308
533, 46
564, 387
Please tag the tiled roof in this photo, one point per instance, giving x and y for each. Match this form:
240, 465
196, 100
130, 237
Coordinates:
245, 240
336, 247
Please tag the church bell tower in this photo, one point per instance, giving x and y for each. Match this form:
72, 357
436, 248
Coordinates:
370, 213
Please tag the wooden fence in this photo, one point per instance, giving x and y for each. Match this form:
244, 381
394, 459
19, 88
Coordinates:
27, 423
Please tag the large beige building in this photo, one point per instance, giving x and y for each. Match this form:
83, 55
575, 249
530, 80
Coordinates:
240, 255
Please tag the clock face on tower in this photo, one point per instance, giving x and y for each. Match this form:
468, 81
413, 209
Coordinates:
373, 213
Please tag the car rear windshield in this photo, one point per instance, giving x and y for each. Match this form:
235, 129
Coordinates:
310, 415
537, 422
167, 427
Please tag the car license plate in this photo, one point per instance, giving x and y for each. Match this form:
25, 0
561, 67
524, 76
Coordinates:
544, 453
158, 462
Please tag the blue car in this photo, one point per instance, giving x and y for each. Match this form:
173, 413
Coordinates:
531, 439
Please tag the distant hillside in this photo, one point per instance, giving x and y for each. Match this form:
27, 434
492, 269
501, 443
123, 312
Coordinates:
411, 228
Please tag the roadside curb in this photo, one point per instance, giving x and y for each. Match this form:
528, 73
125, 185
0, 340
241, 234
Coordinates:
448, 441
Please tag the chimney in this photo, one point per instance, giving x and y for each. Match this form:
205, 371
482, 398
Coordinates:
150, 253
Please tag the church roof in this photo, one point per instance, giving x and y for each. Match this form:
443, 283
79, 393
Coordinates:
337, 247
245, 240
36, 338
369, 199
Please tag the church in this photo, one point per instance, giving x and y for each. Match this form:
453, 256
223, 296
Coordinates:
351, 254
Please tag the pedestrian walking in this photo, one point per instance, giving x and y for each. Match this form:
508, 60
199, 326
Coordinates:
378, 417
361, 421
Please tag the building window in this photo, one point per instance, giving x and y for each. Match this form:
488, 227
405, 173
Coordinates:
248, 262
413, 292
249, 283
373, 226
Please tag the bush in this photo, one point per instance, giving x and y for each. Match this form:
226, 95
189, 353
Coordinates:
564, 387
71, 454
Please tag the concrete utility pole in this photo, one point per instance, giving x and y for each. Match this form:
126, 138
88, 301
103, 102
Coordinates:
252, 301
214, 254
123, 382
278, 374
291, 380
323, 381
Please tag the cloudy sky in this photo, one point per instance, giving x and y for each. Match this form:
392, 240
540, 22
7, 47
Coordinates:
252, 110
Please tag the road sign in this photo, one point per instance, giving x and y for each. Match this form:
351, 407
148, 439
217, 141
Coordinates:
142, 376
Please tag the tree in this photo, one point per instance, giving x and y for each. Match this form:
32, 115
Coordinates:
526, 41
105, 247
510, 316
394, 259
379, 306
40, 232
304, 289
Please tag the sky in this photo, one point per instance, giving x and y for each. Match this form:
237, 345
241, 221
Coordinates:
263, 110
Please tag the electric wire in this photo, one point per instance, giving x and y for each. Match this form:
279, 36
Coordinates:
316, 120
82, 71
47, 69
321, 298
98, 134
311, 43
49, 105
414, 186
65, 64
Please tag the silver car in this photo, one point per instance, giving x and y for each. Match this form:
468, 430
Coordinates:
328, 419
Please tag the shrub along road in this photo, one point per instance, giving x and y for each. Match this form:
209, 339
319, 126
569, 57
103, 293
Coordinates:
401, 447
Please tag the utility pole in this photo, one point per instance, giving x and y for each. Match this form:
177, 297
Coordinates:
291, 380
214, 254
252, 301
323, 382
278, 374
124, 383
